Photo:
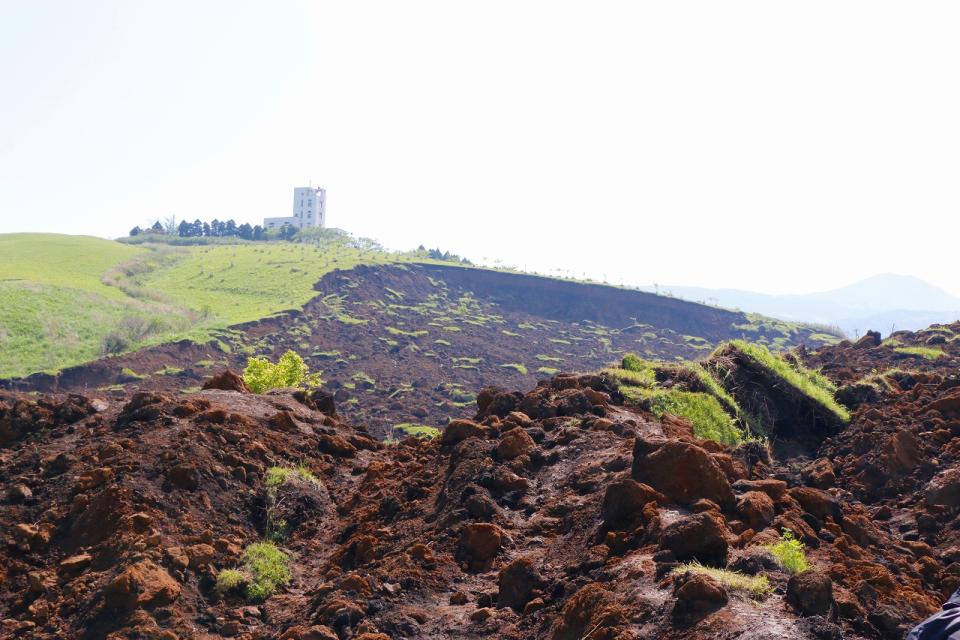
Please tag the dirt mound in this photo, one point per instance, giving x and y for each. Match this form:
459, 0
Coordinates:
551, 514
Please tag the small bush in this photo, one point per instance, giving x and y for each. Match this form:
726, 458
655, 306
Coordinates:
633, 362
269, 569
261, 375
229, 580
789, 553
519, 368
757, 587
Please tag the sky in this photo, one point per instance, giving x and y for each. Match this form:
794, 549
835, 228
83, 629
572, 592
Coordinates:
779, 147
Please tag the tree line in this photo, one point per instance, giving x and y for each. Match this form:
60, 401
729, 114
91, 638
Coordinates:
217, 229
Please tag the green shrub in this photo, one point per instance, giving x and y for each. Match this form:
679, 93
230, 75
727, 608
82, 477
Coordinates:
269, 569
519, 368
757, 587
633, 362
789, 553
261, 375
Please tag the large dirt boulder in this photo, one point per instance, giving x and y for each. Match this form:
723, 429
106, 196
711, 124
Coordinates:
682, 471
697, 594
459, 430
480, 542
623, 502
811, 592
818, 503
227, 381
143, 584
519, 583
757, 509
944, 489
701, 536
514, 444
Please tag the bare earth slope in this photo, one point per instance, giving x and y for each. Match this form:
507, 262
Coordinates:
558, 513
413, 343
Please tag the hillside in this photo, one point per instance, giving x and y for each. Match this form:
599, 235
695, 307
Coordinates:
71, 299
564, 511
876, 303
409, 344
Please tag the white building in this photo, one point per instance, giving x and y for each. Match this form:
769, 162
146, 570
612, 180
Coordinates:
309, 210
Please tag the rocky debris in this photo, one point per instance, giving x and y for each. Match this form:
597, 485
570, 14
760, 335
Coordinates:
561, 512
227, 381
811, 592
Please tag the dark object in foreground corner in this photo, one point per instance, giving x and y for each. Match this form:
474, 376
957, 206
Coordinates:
943, 625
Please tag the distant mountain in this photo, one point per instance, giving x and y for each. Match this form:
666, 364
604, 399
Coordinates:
883, 303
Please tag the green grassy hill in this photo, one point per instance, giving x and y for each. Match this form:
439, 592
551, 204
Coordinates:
65, 300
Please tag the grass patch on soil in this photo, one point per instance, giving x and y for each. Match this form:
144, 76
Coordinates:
519, 368
417, 430
268, 567
278, 476
756, 587
928, 353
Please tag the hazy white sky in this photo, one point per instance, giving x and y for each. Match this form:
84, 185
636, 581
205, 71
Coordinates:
782, 147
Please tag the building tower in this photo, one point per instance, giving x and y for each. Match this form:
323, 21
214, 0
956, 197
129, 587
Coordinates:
309, 210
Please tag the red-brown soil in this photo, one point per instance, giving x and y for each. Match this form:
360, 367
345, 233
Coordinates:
414, 343
556, 513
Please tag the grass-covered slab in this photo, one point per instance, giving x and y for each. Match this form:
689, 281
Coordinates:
788, 398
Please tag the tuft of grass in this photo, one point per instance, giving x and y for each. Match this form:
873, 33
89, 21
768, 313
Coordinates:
516, 367
417, 430
550, 371
806, 381
269, 569
278, 476
928, 353
230, 579
756, 587
130, 374
789, 553
710, 420
410, 334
